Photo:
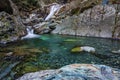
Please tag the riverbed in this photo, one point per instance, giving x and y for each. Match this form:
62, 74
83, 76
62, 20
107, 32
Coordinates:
53, 52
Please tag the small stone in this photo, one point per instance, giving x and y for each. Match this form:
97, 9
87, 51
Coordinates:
9, 54
83, 48
116, 52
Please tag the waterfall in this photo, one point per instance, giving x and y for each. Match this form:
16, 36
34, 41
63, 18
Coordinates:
30, 33
54, 8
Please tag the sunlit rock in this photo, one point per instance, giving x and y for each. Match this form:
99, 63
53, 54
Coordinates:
83, 48
75, 72
98, 21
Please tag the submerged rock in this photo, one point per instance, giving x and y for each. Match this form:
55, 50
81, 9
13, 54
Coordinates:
116, 52
76, 72
7, 70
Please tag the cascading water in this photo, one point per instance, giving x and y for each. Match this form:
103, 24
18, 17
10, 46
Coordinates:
53, 9
30, 34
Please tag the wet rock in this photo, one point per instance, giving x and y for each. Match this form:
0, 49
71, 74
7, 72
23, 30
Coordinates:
76, 72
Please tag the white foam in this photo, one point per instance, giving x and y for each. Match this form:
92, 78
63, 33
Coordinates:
30, 34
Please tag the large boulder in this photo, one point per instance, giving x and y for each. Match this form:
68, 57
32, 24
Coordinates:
99, 21
8, 29
75, 72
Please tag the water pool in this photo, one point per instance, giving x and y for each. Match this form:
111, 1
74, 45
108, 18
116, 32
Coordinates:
52, 52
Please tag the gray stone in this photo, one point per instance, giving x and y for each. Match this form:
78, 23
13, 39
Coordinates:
98, 21
8, 30
75, 72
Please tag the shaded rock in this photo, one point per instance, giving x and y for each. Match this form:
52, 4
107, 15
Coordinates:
33, 19
8, 30
5, 6
76, 72
52, 26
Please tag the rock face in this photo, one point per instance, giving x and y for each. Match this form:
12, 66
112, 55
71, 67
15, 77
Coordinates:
8, 30
76, 17
99, 21
76, 72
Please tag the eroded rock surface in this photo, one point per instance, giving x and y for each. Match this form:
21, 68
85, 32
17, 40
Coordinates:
76, 72
99, 21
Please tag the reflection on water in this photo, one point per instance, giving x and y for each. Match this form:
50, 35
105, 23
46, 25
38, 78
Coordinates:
53, 51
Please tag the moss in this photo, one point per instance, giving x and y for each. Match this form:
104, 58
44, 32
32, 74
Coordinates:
30, 68
35, 50
26, 68
75, 11
70, 40
46, 50
76, 49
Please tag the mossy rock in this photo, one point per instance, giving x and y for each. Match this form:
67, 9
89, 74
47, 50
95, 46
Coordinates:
76, 49
30, 69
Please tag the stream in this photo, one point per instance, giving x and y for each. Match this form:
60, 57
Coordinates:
53, 52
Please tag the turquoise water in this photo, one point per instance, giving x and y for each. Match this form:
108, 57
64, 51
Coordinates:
52, 52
